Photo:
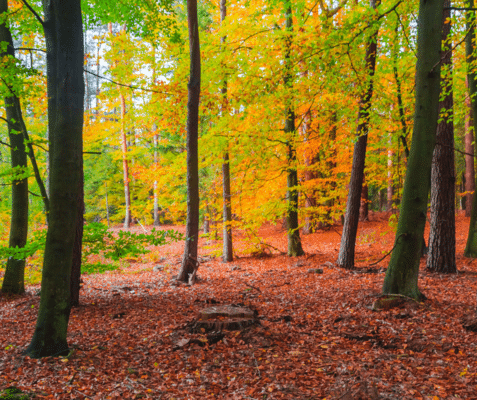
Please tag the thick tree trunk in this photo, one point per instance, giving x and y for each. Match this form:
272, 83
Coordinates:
469, 186
64, 43
228, 254
471, 246
441, 252
189, 260
294, 242
402, 273
350, 228
14, 278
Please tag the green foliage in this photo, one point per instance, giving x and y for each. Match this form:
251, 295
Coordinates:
97, 239
98, 268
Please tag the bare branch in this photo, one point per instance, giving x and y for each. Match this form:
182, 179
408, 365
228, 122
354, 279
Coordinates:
34, 12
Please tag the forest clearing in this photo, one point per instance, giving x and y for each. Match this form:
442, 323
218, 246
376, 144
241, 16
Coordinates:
316, 335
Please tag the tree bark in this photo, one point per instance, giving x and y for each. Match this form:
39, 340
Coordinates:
14, 278
471, 246
350, 228
469, 186
402, 273
189, 261
441, 252
64, 43
156, 194
124, 148
228, 254
295, 248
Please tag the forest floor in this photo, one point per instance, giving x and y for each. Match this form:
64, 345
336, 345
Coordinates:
316, 337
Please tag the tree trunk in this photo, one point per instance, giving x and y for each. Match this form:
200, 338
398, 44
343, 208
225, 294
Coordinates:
124, 148
441, 252
156, 194
350, 228
64, 43
471, 246
402, 273
469, 186
14, 278
228, 254
189, 260
294, 242
364, 206
390, 188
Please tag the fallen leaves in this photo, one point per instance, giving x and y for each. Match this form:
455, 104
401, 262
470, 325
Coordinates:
316, 335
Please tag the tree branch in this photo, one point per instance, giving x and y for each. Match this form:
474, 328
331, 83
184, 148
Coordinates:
34, 12
128, 86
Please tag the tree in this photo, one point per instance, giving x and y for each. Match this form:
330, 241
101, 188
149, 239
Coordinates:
13, 281
228, 253
441, 253
402, 273
64, 40
471, 246
189, 261
350, 228
295, 248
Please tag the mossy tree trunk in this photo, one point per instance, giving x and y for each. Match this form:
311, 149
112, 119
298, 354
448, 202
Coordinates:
14, 278
350, 228
228, 253
295, 248
441, 253
64, 42
402, 273
189, 259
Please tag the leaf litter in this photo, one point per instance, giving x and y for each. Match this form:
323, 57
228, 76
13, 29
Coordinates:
315, 335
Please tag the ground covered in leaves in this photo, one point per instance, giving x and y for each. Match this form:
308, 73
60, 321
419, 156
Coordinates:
316, 335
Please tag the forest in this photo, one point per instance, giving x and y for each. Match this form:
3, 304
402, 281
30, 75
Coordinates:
238, 199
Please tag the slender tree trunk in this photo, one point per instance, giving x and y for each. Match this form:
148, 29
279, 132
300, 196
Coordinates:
14, 278
189, 260
364, 206
294, 242
469, 186
390, 188
350, 228
124, 148
156, 194
228, 254
64, 42
471, 246
402, 273
441, 253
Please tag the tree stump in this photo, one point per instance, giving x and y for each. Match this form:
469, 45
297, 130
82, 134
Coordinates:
224, 317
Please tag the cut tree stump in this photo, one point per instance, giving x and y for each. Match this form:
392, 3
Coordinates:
224, 317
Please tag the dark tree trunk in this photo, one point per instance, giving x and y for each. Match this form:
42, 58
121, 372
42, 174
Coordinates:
441, 252
402, 273
471, 246
469, 186
364, 206
228, 254
350, 228
14, 278
64, 43
189, 260
294, 242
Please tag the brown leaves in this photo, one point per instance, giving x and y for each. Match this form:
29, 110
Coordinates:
316, 336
